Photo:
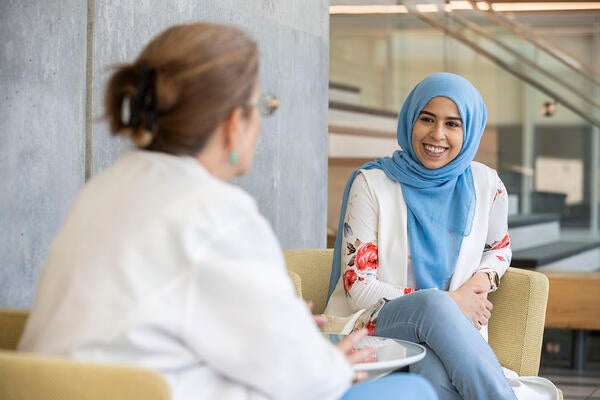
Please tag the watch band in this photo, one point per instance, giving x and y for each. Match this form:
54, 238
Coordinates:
494, 280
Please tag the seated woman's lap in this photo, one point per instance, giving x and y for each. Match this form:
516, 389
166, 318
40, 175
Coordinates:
407, 317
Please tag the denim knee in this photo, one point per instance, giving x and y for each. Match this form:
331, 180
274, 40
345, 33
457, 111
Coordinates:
436, 302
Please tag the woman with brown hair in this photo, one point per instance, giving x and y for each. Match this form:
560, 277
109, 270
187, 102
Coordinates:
162, 263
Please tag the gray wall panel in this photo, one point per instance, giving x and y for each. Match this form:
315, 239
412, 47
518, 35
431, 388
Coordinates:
43, 154
42, 95
289, 174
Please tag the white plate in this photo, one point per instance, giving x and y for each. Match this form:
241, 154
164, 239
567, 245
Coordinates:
391, 353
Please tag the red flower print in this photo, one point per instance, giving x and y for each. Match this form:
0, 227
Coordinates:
409, 290
349, 279
366, 257
502, 243
370, 325
498, 192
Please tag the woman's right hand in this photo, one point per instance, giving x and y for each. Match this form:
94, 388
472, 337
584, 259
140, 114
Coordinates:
473, 303
348, 347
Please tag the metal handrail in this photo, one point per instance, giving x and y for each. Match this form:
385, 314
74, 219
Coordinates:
480, 50
474, 27
521, 32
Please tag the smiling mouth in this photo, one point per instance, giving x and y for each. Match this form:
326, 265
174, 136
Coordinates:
434, 151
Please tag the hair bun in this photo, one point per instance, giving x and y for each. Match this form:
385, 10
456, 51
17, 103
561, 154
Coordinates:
140, 136
167, 92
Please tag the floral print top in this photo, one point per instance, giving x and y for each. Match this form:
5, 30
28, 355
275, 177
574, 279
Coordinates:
360, 261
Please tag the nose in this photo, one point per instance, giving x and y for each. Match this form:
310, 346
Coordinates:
437, 131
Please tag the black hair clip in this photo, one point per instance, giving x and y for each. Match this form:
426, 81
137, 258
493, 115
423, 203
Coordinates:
144, 100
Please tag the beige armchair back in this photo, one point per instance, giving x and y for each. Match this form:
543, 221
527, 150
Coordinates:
25, 376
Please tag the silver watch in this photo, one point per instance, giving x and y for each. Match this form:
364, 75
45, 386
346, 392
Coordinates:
494, 280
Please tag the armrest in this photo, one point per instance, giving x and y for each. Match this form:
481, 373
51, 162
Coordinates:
12, 323
314, 267
516, 328
296, 281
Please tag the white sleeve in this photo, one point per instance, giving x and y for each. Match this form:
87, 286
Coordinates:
497, 253
245, 321
360, 258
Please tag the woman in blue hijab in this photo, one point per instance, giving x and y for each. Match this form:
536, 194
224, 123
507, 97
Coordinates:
422, 239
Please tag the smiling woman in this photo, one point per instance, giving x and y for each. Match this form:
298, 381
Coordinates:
423, 238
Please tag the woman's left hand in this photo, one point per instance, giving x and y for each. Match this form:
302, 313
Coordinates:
479, 283
471, 298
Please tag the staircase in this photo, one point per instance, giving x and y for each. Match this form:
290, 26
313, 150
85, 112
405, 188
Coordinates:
536, 243
358, 133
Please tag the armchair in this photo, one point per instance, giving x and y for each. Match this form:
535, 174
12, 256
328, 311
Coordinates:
25, 376
515, 330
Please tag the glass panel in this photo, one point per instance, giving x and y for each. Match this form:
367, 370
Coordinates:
541, 148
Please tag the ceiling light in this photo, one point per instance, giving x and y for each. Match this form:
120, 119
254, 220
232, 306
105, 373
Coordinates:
373, 9
427, 8
483, 5
564, 6
458, 5
465, 5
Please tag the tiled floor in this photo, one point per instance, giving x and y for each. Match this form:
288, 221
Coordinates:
575, 385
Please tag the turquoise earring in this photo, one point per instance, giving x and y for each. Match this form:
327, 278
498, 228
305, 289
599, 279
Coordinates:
233, 158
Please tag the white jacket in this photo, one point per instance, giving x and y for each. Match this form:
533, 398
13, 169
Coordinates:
387, 213
381, 204
161, 265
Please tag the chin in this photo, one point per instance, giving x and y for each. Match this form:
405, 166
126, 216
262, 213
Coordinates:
434, 165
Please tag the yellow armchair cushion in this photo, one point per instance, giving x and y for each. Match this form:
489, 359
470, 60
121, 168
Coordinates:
31, 377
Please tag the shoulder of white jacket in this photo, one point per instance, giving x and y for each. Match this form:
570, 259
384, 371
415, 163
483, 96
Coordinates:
225, 195
374, 173
479, 166
483, 174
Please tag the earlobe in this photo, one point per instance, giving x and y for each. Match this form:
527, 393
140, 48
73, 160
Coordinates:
231, 125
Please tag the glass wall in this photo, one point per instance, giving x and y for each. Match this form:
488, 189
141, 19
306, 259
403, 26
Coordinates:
546, 153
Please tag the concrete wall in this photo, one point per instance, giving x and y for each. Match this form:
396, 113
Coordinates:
53, 67
42, 133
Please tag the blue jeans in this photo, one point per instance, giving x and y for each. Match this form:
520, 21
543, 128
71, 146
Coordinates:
392, 387
459, 363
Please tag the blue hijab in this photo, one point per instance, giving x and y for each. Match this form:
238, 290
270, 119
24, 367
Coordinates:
440, 202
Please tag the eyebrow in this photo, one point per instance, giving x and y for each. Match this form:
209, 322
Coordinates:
433, 115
